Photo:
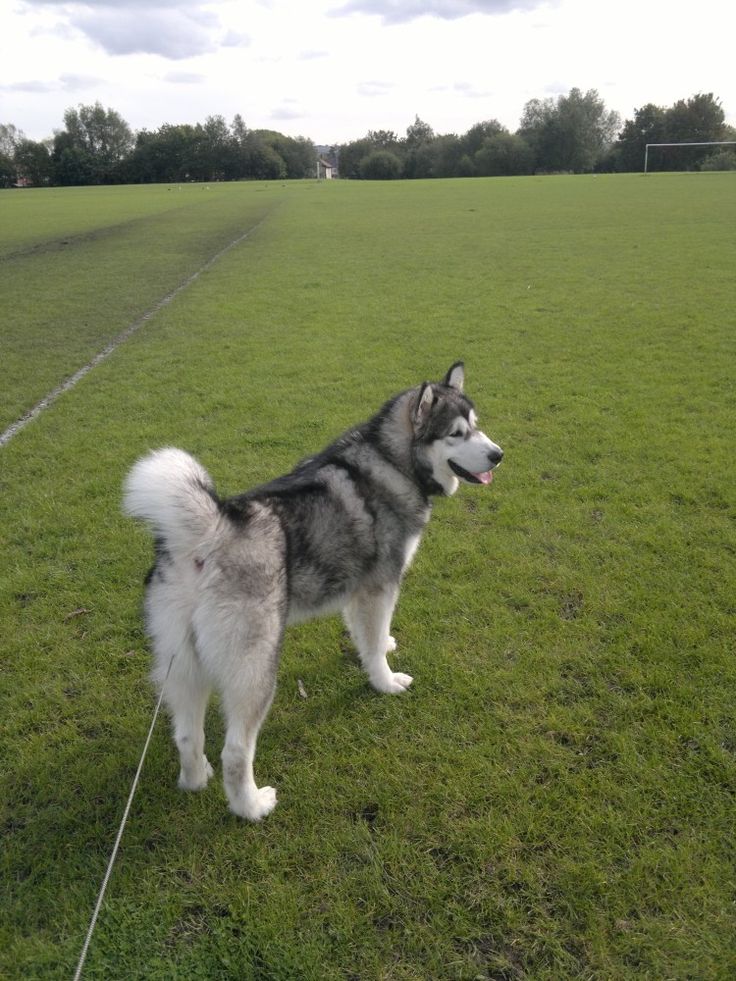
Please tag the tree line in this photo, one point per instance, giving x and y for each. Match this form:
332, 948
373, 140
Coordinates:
574, 133
97, 146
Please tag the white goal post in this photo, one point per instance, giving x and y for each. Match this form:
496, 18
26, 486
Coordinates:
712, 143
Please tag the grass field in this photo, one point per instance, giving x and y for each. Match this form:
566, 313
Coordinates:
554, 798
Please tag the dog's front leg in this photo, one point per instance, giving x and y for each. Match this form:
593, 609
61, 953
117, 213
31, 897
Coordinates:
368, 616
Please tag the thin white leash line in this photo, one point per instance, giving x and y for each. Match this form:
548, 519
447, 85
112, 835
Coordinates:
113, 856
15, 427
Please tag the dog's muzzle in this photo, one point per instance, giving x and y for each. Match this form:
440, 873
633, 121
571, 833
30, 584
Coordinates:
494, 458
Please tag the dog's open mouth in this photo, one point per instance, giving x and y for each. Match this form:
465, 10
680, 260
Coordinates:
471, 478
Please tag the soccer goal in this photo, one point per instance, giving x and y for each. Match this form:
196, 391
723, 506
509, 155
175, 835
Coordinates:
712, 143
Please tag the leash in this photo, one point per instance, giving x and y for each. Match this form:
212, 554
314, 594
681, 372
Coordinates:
126, 812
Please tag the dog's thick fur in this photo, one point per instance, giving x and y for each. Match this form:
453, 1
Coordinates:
337, 533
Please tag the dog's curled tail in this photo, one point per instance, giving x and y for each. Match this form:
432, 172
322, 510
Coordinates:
175, 495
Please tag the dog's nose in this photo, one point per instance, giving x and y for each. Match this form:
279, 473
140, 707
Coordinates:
495, 455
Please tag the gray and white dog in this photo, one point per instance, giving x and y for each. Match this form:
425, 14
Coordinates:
335, 534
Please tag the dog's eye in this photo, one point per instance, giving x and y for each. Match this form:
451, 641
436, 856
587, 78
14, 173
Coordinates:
456, 434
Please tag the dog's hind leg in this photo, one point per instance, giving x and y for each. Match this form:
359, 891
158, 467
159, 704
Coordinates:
239, 645
245, 709
186, 696
368, 617
186, 691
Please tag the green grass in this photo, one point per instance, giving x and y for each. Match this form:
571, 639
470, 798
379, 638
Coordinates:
78, 266
554, 797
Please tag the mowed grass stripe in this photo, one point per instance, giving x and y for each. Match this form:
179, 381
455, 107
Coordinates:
72, 293
555, 797
101, 356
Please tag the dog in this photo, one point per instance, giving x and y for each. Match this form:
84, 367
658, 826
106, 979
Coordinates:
336, 534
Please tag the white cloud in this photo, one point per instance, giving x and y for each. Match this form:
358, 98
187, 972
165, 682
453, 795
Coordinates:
162, 31
287, 111
373, 89
557, 88
236, 39
400, 11
174, 29
184, 78
470, 91
64, 83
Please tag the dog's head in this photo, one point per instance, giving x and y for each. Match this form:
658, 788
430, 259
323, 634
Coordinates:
447, 441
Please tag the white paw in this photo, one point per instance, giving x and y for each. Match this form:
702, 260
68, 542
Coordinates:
198, 780
391, 646
394, 683
258, 804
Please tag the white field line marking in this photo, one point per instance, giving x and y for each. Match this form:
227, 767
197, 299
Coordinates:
48, 400
116, 846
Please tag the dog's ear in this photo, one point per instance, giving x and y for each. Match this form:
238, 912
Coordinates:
424, 405
455, 377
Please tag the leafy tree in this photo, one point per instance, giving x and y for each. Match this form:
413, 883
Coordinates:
10, 135
447, 156
695, 120
299, 155
351, 155
263, 161
239, 129
649, 125
725, 159
72, 164
92, 146
33, 161
699, 119
571, 134
476, 136
384, 139
418, 133
380, 165
211, 150
504, 155
7, 170
163, 155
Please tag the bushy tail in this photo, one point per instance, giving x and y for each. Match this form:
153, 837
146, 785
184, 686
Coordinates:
175, 495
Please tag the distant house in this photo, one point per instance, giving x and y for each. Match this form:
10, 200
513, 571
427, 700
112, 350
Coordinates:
325, 169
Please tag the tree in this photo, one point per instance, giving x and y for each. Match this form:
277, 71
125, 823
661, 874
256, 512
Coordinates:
10, 135
476, 136
418, 133
383, 139
447, 156
725, 159
239, 129
263, 160
649, 125
298, 154
699, 119
351, 155
72, 164
380, 165
93, 145
33, 161
420, 160
504, 155
571, 134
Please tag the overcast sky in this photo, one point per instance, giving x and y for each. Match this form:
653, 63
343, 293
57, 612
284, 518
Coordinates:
331, 70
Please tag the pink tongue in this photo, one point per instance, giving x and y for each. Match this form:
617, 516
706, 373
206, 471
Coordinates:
485, 478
